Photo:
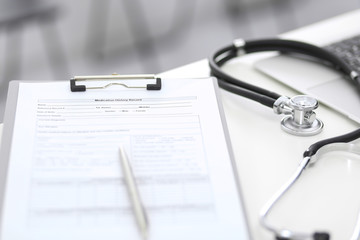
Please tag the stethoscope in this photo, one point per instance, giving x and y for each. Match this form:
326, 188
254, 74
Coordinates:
300, 117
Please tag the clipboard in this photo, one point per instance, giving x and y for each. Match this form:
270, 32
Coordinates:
69, 176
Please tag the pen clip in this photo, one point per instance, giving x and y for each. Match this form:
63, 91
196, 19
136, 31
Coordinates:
82, 88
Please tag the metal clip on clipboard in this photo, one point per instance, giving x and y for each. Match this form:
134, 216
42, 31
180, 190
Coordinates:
81, 88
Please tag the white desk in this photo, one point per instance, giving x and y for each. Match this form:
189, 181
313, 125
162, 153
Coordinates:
267, 156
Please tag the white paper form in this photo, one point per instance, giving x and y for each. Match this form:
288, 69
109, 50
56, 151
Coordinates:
65, 178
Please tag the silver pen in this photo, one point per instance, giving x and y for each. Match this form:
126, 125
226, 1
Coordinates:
138, 207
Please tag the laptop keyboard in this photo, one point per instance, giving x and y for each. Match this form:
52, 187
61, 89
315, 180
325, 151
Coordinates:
348, 50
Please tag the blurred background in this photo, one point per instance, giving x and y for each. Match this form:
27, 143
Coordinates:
55, 40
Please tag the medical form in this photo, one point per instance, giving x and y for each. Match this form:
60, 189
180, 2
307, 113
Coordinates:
64, 178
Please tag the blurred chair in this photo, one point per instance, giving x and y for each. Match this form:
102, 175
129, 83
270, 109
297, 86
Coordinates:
144, 41
14, 15
239, 12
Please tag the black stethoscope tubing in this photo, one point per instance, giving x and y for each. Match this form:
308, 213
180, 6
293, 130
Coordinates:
258, 94
268, 98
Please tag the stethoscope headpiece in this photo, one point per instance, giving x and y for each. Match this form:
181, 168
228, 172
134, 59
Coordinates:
301, 119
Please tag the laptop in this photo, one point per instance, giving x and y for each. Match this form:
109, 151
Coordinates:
311, 77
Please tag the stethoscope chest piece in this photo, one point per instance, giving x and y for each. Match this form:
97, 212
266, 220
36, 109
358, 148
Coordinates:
290, 126
301, 119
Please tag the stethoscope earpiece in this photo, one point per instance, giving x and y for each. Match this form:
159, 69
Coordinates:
319, 150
